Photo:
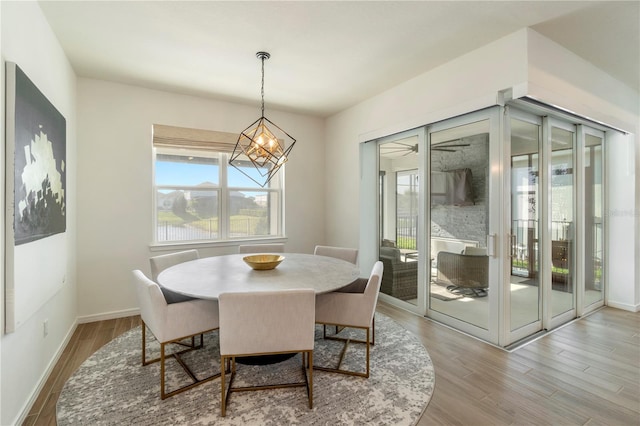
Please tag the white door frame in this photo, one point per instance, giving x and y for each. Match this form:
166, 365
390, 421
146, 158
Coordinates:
494, 226
419, 308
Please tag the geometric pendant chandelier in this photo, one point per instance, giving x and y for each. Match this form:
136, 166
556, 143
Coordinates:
265, 145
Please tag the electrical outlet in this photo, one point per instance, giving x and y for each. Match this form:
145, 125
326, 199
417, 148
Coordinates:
45, 328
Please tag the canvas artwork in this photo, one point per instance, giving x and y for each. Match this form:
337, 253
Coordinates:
39, 164
35, 195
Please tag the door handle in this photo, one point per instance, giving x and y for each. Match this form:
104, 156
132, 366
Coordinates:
491, 245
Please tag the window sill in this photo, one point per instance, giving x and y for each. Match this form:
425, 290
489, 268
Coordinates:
187, 245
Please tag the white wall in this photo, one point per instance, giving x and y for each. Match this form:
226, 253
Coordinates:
115, 177
525, 62
622, 218
468, 83
25, 355
563, 79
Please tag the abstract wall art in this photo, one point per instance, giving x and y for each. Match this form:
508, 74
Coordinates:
35, 177
39, 164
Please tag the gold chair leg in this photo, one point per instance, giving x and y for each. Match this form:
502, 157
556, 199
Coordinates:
230, 363
367, 341
176, 356
310, 388
340, 328
222, 394
368, 346
162, 394
373, 330
144, 344
225, 393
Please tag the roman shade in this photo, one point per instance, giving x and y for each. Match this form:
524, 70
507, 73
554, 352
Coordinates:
193, 139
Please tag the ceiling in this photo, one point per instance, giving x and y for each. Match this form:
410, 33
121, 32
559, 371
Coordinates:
325, 56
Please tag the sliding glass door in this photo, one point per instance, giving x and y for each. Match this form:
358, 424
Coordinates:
400, 201
525, 290
593, 232
463, 216
556, 223
491, 222
561, 224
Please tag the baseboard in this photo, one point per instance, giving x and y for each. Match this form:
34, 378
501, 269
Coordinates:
109, 315
45, 375
624, 306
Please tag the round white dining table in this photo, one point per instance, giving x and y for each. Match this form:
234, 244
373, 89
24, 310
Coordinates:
208, 277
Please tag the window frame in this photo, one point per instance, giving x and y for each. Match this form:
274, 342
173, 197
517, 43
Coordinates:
274, 192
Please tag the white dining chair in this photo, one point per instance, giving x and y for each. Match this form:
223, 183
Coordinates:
266, 323
348, 254
164, 261
172, 323
261, 248
354, 310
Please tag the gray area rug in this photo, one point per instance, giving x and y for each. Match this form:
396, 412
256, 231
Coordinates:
112, 388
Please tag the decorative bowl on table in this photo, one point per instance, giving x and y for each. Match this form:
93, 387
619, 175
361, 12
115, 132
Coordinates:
263, 262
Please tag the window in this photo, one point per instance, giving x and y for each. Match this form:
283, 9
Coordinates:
199, 197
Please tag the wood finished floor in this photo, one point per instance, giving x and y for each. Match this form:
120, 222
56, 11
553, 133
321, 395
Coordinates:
587, 373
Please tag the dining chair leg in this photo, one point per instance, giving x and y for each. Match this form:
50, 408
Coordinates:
368, 350
162, 394
373, 330
144, 344
225, 394
310, 384
223, 397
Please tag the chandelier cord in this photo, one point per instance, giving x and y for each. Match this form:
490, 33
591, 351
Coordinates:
262, 88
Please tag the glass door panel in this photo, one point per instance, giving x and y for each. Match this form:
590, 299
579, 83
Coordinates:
562, 220
525, 288
593, 216
399, 201
459, 223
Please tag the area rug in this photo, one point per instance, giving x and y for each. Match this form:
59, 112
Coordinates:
112, 388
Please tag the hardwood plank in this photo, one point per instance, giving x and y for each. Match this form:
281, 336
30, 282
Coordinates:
609, 362
30, 420
575, 386
561, 374
583, 374
88, 330
513, 378
597, 407
526, 407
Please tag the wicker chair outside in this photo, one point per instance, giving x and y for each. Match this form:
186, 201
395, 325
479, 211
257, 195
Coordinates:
399, 279
463, 274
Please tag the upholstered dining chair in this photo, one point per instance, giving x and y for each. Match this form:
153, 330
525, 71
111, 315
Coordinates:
172, 323
266, 323
348, 254
164, 261
351, 256
353, 310
261, 248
